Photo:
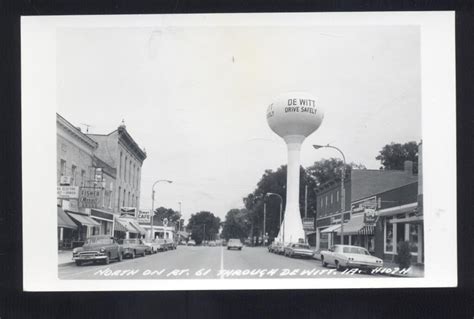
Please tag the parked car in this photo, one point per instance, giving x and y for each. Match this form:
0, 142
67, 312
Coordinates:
346, 256
171, 244
272, 247
234, 243
191, 242
134, 247
154, 245
161, 244
101, 248
212, 244
298, 250
278, 248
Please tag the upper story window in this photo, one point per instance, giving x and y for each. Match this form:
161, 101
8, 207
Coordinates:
63, 167
332, 198
337, 196
125, 169
120, 166
73, 174
130, 172
326, 200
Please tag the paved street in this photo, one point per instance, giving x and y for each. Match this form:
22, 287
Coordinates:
206, 262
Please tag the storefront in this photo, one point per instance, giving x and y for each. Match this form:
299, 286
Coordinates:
86, 227
126, 228
398, 224
105, 219
67, 229
358, 232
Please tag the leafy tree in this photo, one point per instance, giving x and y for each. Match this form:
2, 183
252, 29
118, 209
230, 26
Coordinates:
172, 215
328, 169
203, 226
236, 225
393, 156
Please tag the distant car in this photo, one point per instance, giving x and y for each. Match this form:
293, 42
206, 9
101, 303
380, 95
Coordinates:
191, 243
171, 244
346, 256
298, 250
212, 244
101, 248
278, 248
271, 248
154, 245
234, 243
134, 247
162, 245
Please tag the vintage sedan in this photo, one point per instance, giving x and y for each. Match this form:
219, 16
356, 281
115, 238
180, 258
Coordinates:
298, 250
100, 248
162, 245
234, 243
155, 245
279, 248
134, 247
346, 256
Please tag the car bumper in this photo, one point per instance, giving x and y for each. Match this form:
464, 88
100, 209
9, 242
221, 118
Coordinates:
303, 254
363, 265
234, 247
89, 257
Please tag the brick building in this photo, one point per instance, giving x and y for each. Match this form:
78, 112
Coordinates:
360, 203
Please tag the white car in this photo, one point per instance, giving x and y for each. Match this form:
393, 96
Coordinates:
346, 256
154, 244
191, 243
234, 243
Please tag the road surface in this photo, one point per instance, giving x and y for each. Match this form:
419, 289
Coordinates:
207, 263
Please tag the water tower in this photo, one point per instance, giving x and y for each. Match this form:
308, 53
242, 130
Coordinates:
293, 116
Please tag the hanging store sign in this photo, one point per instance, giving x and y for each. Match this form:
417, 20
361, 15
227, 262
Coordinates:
308, 223
89, 197
67, 192
363, 205
369, 217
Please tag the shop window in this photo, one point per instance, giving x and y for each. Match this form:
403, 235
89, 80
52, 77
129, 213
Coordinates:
389, 240
400, 230
73, 174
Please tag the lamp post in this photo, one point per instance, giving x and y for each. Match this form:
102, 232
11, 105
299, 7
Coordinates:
281, 209
153, 203
343, 191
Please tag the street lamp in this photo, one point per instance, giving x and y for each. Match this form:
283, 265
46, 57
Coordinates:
281, 208
153, 203
343, 191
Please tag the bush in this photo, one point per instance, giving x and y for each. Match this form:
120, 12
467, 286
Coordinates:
403, 257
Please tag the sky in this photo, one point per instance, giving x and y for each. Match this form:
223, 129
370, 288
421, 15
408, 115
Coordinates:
196, 97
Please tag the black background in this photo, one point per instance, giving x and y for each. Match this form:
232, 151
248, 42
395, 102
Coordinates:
356, 303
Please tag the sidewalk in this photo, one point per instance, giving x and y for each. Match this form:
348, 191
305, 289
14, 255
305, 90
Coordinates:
64, 257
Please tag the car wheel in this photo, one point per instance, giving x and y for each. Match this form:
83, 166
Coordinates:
120, 257
325, 264
338, 266
78, 262
133, 254
144, 253
107, 260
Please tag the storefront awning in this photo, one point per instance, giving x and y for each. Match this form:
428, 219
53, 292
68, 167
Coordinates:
331, 229
367, 230
122, 224
84, 220
64, 220
353, 226
412, 219
397, 210
139, 228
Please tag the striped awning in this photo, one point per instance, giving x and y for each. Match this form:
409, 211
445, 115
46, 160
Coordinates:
84, 220
367, 230
331, 229
123, 224
64, 220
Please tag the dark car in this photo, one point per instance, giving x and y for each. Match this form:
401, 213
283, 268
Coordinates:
299, 250
100, 248
134, 247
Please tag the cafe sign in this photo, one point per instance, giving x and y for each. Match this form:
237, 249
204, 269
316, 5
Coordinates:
308, 223
144, 216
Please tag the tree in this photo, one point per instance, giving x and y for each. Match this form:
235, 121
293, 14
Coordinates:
203, 226
172, 215
237, 224
328, 169
393, 156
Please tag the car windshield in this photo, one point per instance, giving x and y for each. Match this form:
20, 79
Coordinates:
302, 246
355, 250
130, 241
234, 241
159, 241
98, 240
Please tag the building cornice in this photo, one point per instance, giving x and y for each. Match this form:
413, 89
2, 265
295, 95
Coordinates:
127, 140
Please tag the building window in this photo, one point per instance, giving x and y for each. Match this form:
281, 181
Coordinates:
413, 238
63, 168
138, 177
332, 199
128, 199
130, 172
118, 202
125, 169
337, 196
326, 200
120, 167
73, 175
389, 236
123, 200
83, 177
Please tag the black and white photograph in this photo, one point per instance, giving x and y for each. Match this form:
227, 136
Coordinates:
239, 151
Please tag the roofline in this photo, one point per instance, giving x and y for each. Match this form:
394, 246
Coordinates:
74, 130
